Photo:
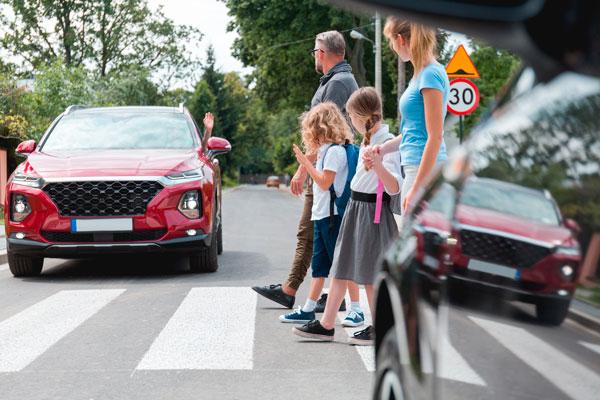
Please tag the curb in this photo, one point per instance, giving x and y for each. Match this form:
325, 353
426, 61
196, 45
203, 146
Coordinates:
585, 320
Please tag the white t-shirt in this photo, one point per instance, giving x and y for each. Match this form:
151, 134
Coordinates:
336, 161
366, 181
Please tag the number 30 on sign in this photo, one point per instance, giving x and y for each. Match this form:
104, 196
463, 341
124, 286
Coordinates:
463, 98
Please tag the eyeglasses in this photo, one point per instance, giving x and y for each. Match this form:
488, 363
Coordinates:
313, 51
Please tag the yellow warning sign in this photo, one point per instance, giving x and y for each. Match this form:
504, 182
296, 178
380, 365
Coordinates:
461, 66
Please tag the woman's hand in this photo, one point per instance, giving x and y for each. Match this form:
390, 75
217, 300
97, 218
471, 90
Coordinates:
410, 198
209, 122
369, 155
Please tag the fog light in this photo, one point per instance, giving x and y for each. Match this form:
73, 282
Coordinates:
191, 232
567, 270
189, 205
562, 292
20, 235
20, 208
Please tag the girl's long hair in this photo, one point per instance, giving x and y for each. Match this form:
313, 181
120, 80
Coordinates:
365, 104
422, 39
324, 123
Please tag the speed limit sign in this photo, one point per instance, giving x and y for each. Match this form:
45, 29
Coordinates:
463, 98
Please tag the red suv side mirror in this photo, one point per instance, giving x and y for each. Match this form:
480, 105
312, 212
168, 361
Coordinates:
26, 147
573, 226
217, 145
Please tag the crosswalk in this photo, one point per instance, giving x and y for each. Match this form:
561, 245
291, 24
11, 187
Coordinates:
214, 328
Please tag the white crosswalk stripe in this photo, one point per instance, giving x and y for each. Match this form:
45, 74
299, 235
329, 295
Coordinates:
28, 334
3, 267
577, 381
213, 328
366, 353
452, 364
594, 347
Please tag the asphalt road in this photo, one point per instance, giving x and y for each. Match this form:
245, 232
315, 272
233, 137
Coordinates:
144, 328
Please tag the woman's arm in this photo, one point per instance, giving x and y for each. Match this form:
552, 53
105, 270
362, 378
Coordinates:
390, 146
323, 179
389, 180
434, 123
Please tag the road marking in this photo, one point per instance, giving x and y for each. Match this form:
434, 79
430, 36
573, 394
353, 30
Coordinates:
452, 364
28, 334
3, 267
454, 367
591, 346
366, 353
213, 328
568, 375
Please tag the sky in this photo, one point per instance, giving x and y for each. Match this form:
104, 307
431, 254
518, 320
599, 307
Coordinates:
210, 17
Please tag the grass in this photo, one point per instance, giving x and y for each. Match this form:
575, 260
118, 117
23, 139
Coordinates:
591, 296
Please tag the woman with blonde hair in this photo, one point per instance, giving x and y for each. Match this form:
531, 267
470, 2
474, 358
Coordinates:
422, 107
324, 130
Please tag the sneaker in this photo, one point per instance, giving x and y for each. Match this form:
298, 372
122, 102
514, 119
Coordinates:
275, 293
321, 304
314, 330
354, 319
366, 337
297, 317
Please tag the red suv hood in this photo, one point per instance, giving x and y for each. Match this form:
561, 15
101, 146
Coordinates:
489, 219
111, 163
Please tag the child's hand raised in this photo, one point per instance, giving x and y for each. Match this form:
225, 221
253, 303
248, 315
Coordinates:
369, 156
302, 159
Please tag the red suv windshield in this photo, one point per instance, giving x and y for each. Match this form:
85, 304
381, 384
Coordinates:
120, 131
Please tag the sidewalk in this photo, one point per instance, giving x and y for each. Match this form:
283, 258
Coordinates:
585, 314
3, 256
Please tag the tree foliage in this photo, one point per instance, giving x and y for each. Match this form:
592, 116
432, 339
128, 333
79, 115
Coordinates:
106, 34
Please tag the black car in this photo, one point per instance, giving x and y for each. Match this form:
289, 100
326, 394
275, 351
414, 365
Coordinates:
542, 132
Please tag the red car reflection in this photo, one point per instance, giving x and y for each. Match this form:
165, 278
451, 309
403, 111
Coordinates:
506, 239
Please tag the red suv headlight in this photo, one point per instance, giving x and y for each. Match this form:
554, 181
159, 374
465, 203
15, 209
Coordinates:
19, 208
190, 204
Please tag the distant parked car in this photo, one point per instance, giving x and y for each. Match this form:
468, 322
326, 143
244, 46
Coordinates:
273, 181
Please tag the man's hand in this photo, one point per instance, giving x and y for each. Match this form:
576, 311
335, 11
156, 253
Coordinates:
297, 183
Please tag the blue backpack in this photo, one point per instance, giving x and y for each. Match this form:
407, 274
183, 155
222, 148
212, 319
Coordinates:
341, 202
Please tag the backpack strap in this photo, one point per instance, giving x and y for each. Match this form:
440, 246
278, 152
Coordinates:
332, 195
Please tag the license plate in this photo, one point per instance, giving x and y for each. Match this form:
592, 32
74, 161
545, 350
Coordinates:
102, 225
494, 269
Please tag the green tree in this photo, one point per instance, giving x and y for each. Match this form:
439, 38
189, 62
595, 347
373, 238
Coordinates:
108, 34
495, 68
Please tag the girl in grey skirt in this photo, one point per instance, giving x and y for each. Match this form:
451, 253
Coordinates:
368, 225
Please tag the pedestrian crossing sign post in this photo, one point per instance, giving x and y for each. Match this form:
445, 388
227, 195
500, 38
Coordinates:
461, 68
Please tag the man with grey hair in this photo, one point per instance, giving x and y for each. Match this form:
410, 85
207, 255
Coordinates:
336, 85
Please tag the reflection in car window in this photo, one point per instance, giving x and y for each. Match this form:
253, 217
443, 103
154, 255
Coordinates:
120, 131
509, 199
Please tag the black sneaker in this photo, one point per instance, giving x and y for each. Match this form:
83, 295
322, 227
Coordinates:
275, 293
366, 337
314, 330
321, 304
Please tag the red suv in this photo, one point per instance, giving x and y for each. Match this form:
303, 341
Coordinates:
116, 180
507, 239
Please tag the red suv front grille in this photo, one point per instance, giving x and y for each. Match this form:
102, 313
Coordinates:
501, 250
102, 198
